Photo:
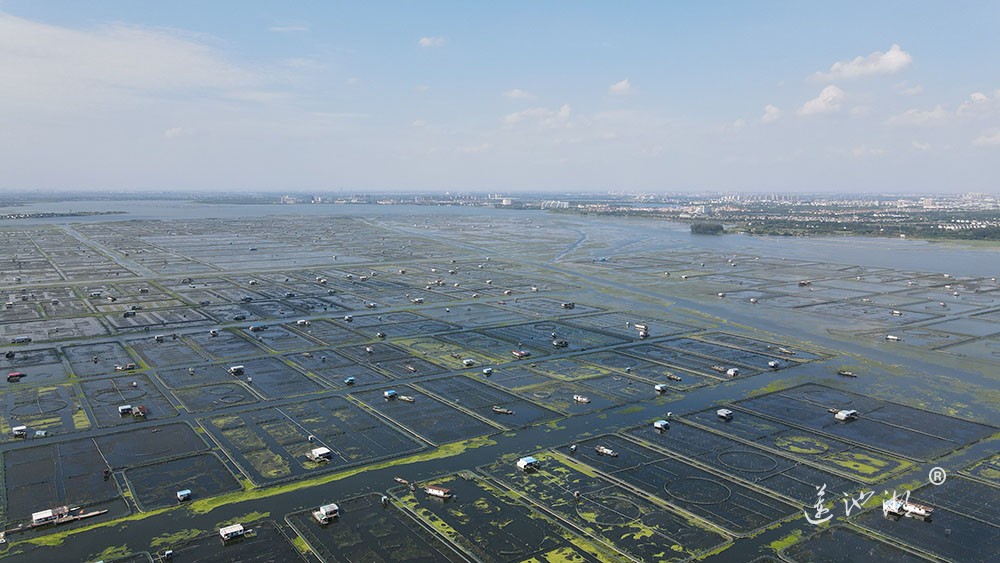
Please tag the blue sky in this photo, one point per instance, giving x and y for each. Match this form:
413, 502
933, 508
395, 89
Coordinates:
500, 96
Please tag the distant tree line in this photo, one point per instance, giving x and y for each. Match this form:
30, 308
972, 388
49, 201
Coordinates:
798, 228
703, 228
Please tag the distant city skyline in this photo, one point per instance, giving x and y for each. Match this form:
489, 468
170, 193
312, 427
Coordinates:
886, 97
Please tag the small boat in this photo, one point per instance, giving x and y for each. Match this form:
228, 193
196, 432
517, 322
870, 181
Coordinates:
898, 506
916, 510
787, 351
502, 410
410, 368
604, 450
62, 515
439, 492
846, 373
581, 399
673, 377
401, 480
407, 399
846, 415
719, 369
325, 513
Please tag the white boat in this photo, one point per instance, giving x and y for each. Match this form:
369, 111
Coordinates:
846, 415
325, 513
581, 399
899, 506
232, 532
604, 450
439, 492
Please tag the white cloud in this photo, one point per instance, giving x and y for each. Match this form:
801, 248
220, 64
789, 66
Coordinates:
828, 101
918, 117
866, 152
738, 124
53, 68
892, 61
517, 94
173, 132
860, 111
421, 88
352, 81
419, 123
979, 104
431, 42
543, 117
771, 114
917, 145
289, 28
905, 89
475, 148
620, 88
988, 139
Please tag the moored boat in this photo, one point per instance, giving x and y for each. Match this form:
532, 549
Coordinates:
439, 492
604, 450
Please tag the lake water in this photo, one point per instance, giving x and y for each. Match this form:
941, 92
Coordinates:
904, 254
